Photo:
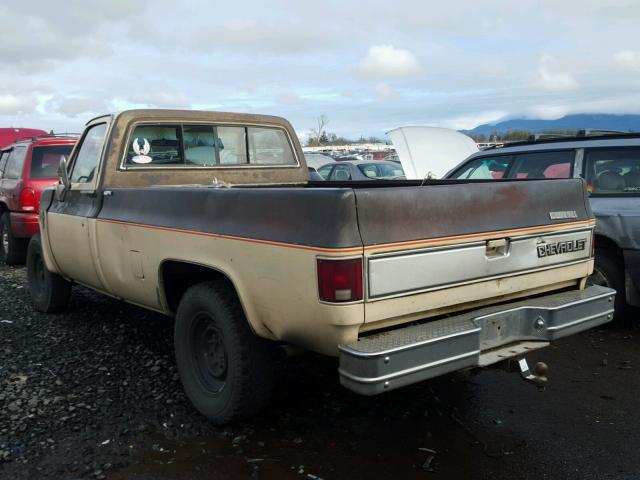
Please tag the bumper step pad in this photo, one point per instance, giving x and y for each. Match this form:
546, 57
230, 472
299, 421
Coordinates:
396, 358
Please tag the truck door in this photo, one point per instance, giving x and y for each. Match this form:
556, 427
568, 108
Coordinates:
71, 218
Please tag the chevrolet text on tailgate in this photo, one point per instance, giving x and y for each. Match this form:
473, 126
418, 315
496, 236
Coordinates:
209, 217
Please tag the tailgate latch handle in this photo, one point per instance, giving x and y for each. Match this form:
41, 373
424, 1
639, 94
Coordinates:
497, 248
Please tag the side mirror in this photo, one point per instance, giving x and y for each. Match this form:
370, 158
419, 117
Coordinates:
63, 186
63, 175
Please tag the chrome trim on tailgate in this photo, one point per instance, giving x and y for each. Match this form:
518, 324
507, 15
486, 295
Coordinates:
446, 266
408, 355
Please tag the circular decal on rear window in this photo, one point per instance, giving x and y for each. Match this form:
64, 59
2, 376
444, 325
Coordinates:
141, 151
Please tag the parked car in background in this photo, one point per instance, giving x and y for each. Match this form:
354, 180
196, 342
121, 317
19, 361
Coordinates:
317, 160
26, 167
361, 170
610, 164
10, 135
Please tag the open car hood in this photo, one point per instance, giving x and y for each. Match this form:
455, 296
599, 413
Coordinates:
430, 151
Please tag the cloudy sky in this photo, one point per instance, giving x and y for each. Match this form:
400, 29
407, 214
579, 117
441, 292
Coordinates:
367, 65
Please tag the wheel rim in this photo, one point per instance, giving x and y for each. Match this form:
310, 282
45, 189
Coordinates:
208, 353
37, 279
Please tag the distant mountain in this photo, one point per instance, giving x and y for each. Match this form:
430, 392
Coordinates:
569, 122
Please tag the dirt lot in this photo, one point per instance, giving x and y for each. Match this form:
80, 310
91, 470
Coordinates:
93, 393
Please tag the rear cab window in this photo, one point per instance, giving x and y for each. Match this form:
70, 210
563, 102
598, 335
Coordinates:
207, 146
613, 171
46, 159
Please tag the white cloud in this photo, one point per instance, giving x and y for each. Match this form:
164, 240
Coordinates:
627, 59
472, 120
554, 81
386, 62
289, 98
161, 100
73, 106
546, 112
17, 104
384, 91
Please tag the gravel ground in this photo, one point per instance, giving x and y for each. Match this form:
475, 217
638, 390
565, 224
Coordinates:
94, 393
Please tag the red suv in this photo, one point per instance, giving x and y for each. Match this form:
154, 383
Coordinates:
26, 167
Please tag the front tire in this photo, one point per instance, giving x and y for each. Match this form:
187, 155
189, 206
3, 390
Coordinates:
49, 292
608, 271
227, 372
12, 250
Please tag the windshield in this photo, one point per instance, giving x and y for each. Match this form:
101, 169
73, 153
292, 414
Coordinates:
381, 170
613, 172
45, 160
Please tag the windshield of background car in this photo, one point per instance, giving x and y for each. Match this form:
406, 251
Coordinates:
381, 170
45, 160
543, 165
613, 171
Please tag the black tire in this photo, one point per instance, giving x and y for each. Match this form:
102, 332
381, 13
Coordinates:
13, 251
609, 272
49, 291
227, 372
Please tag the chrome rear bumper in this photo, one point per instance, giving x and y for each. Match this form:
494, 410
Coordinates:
389, 360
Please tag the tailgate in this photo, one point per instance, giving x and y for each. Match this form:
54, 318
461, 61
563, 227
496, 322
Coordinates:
471, 241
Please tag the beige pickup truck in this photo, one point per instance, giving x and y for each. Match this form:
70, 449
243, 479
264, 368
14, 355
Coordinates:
210, 218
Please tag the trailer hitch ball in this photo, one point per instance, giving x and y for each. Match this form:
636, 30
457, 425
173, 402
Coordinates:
541, 369
539, 374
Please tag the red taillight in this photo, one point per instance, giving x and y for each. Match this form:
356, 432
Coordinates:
28, 200
340, 280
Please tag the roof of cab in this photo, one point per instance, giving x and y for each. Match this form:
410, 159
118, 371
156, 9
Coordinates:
194, 115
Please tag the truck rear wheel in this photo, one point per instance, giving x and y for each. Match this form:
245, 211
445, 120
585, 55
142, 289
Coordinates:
12, 250
227, 372
49, 292
608, 271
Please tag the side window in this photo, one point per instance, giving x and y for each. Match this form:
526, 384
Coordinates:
199, 145
341, 173
15, 162
325, 171
269, 146
613, 171
232, 145
45, 160
3, 162
86, 160
156, 145
543, 165
484, 168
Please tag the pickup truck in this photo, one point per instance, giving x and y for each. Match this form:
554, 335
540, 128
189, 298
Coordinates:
210, 218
